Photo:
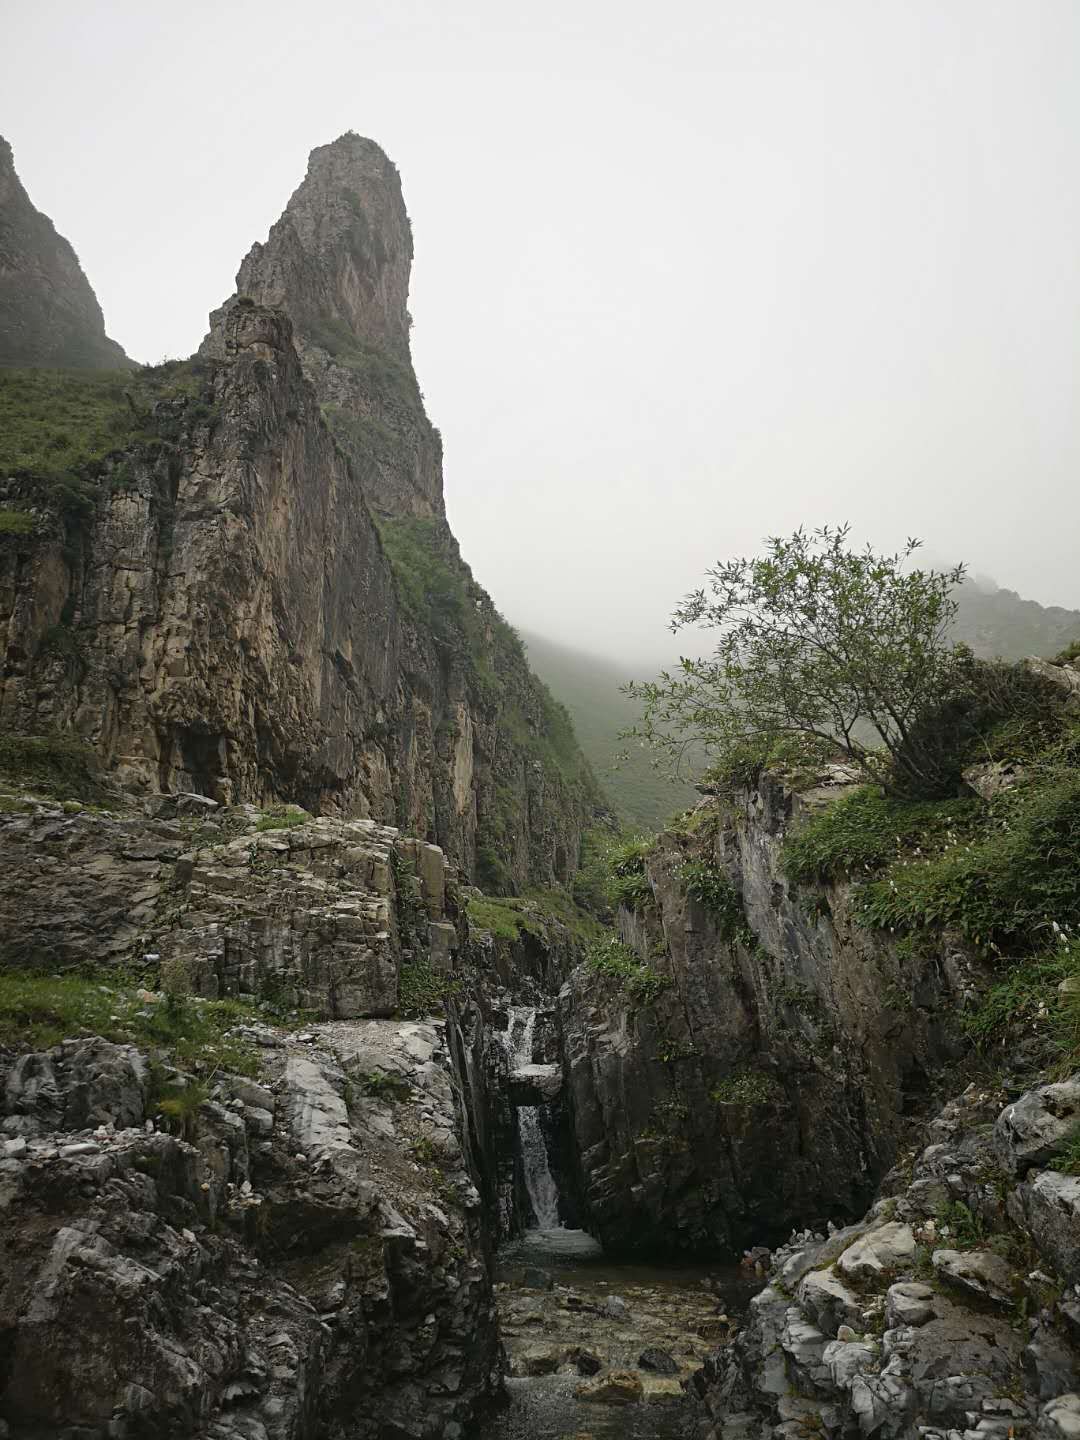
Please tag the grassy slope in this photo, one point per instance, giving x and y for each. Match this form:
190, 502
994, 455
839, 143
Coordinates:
589, 688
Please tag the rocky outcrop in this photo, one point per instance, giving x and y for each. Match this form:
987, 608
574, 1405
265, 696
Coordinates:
283, 1268
221, 614
337, 263
49, 315
315, 914
784, 1031
964, 1323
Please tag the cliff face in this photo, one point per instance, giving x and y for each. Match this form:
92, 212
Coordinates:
337, 263
49, 315
220, 612
769, 1081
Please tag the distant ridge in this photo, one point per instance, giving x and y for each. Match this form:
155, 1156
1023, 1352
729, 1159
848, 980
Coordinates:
49, 314
588, 685
996, 623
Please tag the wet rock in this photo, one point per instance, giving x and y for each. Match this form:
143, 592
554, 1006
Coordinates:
828, 1301
585, 1362
615, 1308
616, 1387
662, 1390
537, 1360
536, 1279
660, 1362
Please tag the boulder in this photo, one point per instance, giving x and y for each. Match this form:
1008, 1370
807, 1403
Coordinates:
617, 1387
538, 1360
660, 1362
878, 1252
909, 1303
980, 1272
1050, 1362
1051, 1205
1032, 1130
828, 1301
585, 1362
1059, 1419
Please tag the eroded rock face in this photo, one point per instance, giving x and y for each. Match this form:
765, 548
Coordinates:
49, 315
232, 623
287, 1269
768, 1081
315, 914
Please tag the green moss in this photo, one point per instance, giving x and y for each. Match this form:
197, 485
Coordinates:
508, 917
16, 522
746, 1087
282, 817
501, 917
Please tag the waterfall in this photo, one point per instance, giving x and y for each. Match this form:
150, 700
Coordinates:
539, 1181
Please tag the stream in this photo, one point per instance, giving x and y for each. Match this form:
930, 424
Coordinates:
599, 1316
596, 1348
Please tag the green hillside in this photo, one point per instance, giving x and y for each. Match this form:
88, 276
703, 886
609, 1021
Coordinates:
589, 688
993, 621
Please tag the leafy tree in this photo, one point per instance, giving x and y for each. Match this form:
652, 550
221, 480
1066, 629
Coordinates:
821, 646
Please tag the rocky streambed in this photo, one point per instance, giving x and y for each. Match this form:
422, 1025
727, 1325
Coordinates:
598, 1348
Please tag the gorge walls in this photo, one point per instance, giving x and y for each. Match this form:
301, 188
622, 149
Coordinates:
766, 1083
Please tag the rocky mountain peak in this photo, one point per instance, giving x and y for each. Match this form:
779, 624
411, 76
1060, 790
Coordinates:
338, 259
49, 315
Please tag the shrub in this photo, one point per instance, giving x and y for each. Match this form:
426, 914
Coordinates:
57, 765
638, 979
866, 830
815, 641
422, 990
16, 522
629, 884
711, 888
746, 1087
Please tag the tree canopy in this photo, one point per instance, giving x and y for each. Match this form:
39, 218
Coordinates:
821, 646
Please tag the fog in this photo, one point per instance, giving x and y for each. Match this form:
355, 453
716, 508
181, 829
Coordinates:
686, 274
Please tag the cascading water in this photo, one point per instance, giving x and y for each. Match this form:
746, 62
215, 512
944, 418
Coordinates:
539, 1181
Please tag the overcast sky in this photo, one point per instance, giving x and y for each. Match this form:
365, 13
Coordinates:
686, 274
